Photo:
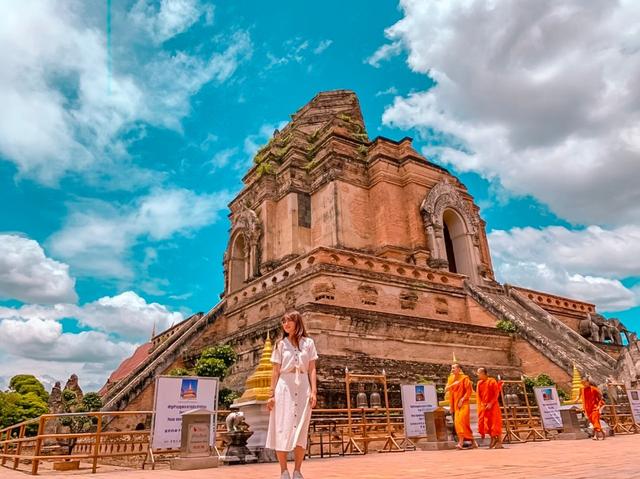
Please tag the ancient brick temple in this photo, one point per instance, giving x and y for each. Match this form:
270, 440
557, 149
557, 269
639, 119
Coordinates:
386, 256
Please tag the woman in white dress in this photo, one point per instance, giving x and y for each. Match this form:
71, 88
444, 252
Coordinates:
293, 393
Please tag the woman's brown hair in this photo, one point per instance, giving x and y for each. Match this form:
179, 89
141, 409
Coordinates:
300, 331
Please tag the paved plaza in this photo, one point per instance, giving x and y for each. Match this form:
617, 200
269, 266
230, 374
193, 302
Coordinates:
614, 458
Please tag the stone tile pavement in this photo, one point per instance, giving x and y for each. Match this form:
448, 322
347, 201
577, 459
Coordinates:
617, 457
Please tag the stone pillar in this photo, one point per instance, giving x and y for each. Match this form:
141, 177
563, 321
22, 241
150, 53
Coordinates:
195, 449
436, 431
571, 425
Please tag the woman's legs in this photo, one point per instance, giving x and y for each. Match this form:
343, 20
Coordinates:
298, 454
282, 459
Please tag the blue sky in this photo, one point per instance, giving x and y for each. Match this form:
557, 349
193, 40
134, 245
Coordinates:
119, 153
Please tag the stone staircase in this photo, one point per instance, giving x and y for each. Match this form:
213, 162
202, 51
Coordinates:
159, 360
547, 334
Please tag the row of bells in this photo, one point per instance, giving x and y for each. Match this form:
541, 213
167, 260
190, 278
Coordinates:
374, 398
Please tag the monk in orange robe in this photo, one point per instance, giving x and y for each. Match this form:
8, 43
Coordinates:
459, 388
489, 415
592, 401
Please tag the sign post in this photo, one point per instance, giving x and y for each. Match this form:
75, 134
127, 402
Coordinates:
549, 405
634, 402
417, 399
195, 449
175, 395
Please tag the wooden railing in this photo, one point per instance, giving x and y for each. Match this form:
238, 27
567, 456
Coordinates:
104, 443
330, 435
99, 443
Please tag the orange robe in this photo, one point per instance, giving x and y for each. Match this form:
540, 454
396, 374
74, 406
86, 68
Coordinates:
489, 420
591, 403
461, 415
447, 394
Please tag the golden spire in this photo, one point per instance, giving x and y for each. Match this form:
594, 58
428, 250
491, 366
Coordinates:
576, 385
258, 385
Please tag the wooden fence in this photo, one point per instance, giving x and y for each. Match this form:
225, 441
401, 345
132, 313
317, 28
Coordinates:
103, 443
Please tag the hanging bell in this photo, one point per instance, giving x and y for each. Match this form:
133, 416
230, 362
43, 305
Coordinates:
361, 398
374, 398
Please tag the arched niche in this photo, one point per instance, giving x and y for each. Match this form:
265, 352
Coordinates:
452, 231
238, 263
242, 257
458, 243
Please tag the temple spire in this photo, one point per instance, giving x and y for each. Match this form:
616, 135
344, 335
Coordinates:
258, 385
576, 384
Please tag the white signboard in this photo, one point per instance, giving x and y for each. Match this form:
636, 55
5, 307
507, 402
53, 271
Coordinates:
634, 402
174, 396
416, 400
549, 405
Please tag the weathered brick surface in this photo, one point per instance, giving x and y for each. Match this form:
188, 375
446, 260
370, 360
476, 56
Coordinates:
352, 233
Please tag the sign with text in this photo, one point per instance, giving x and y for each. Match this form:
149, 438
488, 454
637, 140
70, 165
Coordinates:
634, 402
416, 400
174, 396
549, 405
198, 438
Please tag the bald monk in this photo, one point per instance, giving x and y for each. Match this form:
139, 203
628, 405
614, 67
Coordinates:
489, 415
459, 389
592, 401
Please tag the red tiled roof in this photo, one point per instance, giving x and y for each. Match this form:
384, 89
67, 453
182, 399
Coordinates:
128, 365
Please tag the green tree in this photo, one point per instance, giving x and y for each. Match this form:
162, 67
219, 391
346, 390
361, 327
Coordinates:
227, 396
9, 411
71, 403
92, 401
25, 399
180, 372
27, 383
216, 361
211, 367
223, 351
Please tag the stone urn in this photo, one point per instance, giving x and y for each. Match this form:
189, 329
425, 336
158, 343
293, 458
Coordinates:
236, 451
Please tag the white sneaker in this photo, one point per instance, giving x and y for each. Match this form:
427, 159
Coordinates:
297, 475
285, 475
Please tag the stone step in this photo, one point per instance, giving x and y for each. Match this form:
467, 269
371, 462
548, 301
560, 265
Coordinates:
547, 334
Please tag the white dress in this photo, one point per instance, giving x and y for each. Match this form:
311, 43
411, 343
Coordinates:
289, 419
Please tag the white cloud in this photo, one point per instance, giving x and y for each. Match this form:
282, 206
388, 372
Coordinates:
322, 46
65, 111
586, 264
171, 79
389, 91
97, 237
169, 19
384, 53
43, 340
221, 159
125, 315
27, 274
295, 49
32, 339
541, 96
